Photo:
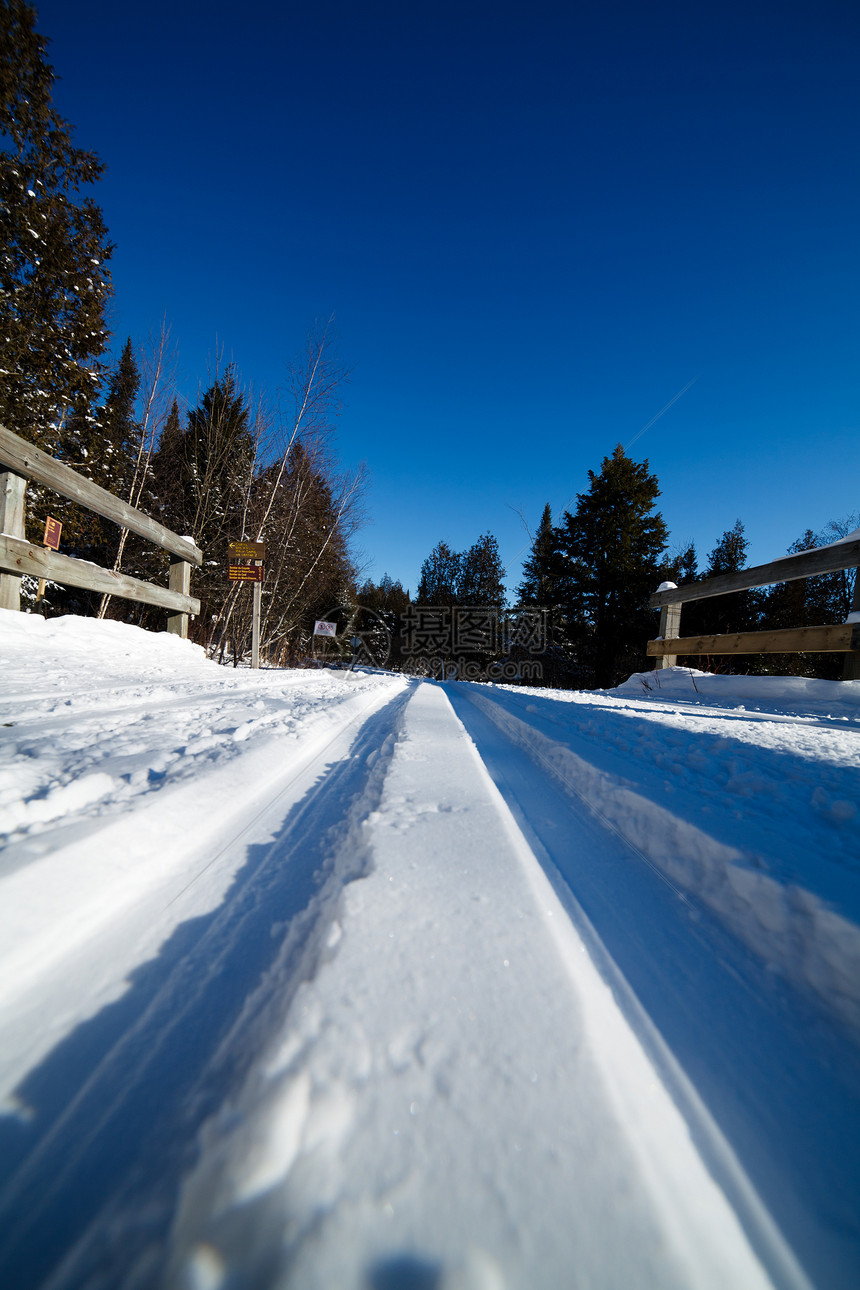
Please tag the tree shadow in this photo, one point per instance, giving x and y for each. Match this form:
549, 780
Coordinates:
404, 1272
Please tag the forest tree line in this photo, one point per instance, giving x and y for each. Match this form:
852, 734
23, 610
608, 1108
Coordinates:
590, 576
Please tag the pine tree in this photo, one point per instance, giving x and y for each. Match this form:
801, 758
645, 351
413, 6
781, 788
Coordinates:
386, 596
682, 567
103, 446
211, 463
613, 543
439, 583
544, 569
202, 476
737, 611
53, 247
482, 574
805, 602
729, 555
545, 588
120, 425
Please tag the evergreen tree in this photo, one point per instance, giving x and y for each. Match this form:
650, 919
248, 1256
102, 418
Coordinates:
386, 596
737, 611
389, 601
682, 567
545, 588
205, 470
544, 569
53, 247
481, 574
805, 602
439, 583
167, 467
120, 425
613, 543
729, 555
103, 446
202, 475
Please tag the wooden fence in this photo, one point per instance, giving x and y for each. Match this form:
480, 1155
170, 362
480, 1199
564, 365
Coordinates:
838, 638
23, 461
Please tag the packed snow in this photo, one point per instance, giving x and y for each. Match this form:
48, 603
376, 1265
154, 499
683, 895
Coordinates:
342, 979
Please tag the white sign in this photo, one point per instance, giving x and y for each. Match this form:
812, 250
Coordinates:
325, 629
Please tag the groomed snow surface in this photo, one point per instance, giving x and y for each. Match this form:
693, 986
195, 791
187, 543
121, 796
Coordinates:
345, 981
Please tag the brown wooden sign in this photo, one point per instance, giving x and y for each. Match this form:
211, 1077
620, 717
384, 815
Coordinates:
245, 573
247, 551
53, 529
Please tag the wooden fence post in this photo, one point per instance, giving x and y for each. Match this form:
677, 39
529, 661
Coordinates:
12, 491
670, 628
851, 666
180, 580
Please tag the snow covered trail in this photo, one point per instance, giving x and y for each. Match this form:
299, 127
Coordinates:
342, 980
456, 1098
147, 1070
749, 977
133, 933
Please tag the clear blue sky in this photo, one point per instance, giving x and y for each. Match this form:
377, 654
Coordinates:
534, 224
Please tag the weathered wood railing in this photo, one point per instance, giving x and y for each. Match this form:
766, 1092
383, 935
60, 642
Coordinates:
837, 638
23, 461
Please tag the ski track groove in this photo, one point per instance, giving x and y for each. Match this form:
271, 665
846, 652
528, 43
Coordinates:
96, 1108
739, 1158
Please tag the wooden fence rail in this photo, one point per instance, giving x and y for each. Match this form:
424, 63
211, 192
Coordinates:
836, 638
18, 557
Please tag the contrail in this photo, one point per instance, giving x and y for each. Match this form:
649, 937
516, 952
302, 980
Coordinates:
647, 426
660, 413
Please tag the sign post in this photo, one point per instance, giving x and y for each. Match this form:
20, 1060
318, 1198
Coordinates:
325, 629
255, 622
242, 572
53, 529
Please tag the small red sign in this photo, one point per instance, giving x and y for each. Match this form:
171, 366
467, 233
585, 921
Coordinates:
245, 572
53, 529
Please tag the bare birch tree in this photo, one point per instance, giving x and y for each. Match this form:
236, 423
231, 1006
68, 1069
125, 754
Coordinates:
157, 366
302, 506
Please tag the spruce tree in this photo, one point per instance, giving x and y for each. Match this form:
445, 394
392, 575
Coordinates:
202, 478
214, 466
53, 248
439, 583
120, 426
544, 569
103, 446
482, 574
613, 544
737, 611
805, 602
384, 597
545, 588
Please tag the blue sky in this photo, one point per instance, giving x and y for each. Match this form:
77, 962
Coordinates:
534, 226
